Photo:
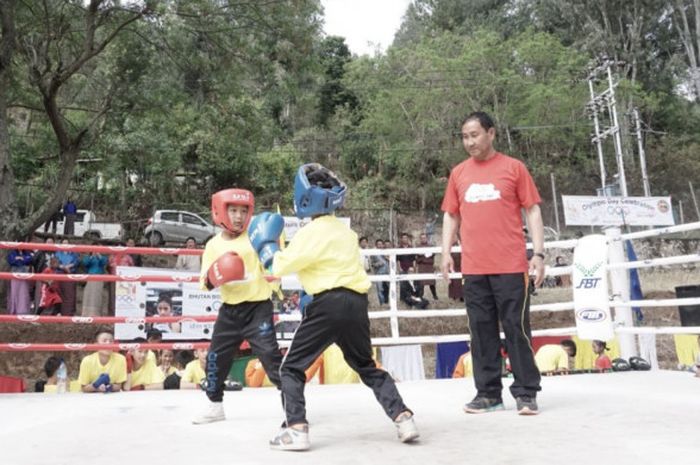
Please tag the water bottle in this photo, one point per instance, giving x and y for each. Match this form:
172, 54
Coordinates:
62, 379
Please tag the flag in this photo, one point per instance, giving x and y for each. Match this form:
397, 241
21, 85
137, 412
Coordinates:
635, 285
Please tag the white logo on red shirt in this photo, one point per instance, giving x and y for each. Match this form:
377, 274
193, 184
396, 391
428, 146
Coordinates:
481, 193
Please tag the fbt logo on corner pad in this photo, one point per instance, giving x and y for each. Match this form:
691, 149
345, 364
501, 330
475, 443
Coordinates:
588, 283
591, 314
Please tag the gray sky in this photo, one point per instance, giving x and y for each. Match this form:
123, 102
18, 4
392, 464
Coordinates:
362, 22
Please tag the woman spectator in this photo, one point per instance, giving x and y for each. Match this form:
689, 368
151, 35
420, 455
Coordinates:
68, 263
50, 291
94, 264
18, 300
189, 262
602, 362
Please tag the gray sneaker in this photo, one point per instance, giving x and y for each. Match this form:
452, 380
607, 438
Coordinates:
526, 405
406, 427
484, 404
291, 439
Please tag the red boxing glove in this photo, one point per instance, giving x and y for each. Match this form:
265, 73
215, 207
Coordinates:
228, 267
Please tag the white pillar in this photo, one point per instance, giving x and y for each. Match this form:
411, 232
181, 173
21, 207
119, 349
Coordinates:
393, 298
620, 289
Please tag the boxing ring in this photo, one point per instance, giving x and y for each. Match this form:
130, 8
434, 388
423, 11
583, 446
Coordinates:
622, 418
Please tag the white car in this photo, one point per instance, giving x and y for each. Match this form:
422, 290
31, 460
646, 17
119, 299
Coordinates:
176, 226
86, 226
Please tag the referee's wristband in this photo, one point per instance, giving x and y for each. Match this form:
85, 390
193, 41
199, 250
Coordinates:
538, 254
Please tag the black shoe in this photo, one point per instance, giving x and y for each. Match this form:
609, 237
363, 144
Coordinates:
484, 404
526, 405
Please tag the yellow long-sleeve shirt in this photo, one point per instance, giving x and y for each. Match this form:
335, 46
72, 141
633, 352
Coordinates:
325, 255
255, 288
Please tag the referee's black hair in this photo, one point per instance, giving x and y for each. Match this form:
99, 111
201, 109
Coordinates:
482, 117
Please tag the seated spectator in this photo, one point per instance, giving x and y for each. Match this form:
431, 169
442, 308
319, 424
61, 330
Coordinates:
167, 359
50, 290
463, 368
181, 359
602, 362
555, 357
189, 262
153, 336
255, 375
409, 294
104, 370
195, 371
142, 373
50, 368
697, 362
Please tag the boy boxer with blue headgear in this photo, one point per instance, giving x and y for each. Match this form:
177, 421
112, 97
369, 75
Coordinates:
326, 257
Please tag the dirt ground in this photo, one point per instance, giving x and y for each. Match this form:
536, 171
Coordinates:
28, 365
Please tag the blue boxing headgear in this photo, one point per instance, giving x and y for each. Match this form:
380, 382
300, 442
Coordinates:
317, 191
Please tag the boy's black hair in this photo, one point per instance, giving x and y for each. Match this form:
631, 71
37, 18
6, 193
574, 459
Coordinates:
51, 365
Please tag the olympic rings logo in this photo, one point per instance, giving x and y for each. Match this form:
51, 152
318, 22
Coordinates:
9, 244
618, 211
130, 277
168, 250
186, 279
125, 298
135, 321
65, 246
74, 346
78, 277
82, 319
29, 318
117, 248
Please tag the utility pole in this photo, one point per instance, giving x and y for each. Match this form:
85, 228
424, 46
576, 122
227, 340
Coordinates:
642, 155
605, 105
695, 201
556, 204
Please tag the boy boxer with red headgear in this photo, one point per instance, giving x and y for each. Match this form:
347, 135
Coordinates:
231, 264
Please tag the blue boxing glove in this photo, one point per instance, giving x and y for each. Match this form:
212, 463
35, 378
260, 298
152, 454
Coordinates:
102, 379
264, 231
304, 302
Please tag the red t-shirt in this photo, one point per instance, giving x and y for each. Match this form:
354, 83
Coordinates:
603, 363
488, 196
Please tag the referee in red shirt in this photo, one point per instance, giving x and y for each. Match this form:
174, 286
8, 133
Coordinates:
484, 198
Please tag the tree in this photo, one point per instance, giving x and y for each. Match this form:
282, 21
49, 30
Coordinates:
60, 41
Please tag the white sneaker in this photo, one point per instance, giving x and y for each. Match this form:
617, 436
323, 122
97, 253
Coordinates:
406, 427
291, 439
215, 412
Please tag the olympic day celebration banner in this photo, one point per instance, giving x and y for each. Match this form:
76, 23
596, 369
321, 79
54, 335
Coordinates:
617, 211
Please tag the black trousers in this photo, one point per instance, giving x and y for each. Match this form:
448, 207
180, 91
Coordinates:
335, 316
251, 321
503, 297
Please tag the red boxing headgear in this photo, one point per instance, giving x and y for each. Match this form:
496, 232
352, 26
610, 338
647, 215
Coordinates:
219, 207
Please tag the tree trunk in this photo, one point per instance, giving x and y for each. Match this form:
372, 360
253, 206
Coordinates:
8, 202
